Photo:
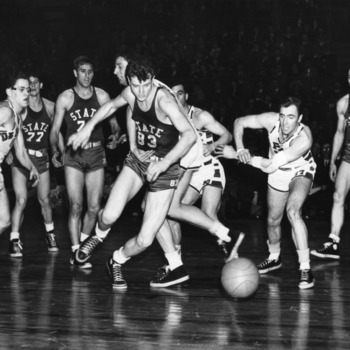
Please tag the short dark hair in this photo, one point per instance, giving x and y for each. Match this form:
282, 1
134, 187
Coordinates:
80, 61
292, 101
142, 69
35, 74
12, 79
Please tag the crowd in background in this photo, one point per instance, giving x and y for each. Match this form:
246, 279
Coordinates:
238, 57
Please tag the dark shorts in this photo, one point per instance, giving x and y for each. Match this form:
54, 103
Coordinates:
167, 180
85, 160
39, 158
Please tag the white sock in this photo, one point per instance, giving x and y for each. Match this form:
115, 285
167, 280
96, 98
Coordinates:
75, 247
49, 227
174, 260
221, 231
119, 257
101, 234
304, 259
335, 238
14, 235
274, 250
83, 236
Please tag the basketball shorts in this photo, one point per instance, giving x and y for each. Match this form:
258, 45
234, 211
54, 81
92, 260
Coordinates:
39, 158
211, 173
85, 160
194, 157
282, 177
167, 180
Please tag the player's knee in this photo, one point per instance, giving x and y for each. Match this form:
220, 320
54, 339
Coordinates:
144, 241
338, 198
293, 213
76, 209
21, 201
93, 210
45, 201
107, 217
273, 222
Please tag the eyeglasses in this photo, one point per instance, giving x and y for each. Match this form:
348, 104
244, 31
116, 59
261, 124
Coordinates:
21, 89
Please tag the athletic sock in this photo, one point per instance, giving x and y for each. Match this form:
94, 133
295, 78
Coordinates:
101, 234
49, 227
335, 238
174, 260
14, 235
83, 236
274, 250
119, 257
304, 259
221, 231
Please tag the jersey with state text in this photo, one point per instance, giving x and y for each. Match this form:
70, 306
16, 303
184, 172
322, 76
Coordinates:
277, 145
36, 129
8, 137
80, 113
152, 134
346, 151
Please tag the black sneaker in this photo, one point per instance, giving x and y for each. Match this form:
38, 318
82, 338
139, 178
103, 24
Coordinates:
115, 271
16, 248
330, 250
171, 277
84, 265
307, 279
161, 271
269, 265
86, 248
52, 245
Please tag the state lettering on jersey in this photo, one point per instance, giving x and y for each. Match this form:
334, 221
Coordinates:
83, 114
32, 127
147, 135
277, 147
7, 135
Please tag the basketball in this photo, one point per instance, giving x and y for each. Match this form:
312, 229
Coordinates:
240, 278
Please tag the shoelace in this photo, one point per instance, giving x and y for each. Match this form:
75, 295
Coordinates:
19, 244
89, 245
51, 238
161, 271
117, 273
264, 263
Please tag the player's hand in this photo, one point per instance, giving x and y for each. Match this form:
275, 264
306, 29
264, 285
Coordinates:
244, 155
332, 171
34, 176
155, 168
9, 158
225, 151
143, 156
80, 138
208, 149
57, 160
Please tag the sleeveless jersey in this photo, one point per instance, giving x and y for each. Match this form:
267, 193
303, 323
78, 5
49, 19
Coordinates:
346, 151
276, 145
80, 113
7, 138
152, 134
36, 129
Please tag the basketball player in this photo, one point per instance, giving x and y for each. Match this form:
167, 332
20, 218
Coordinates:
291, 170
330, 249
154, 126
11, 136
36, 124
83, 167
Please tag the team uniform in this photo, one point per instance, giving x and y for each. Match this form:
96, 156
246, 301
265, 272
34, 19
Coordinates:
92, 157
36, 131
346, 151
8, 137
211, 171
152, 134
304, 166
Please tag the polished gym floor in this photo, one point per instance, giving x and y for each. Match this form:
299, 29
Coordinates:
47, 304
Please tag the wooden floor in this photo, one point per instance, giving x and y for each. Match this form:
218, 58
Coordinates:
47, 304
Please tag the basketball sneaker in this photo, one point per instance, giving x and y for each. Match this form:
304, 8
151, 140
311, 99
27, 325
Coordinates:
16, 248
269, 265
330, 250
74, 263
115, 271
83, 253
52, 245
307, 279
170, 277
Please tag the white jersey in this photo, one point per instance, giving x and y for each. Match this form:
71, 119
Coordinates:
8, 137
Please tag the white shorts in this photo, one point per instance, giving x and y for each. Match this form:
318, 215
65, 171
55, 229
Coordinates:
194, 157
281, 178
211, 173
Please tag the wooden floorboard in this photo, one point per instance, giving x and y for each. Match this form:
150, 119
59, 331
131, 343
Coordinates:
47, 304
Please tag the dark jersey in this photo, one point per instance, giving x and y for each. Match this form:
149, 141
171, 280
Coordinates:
346, 151
152, 134
80, 113
36, 129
